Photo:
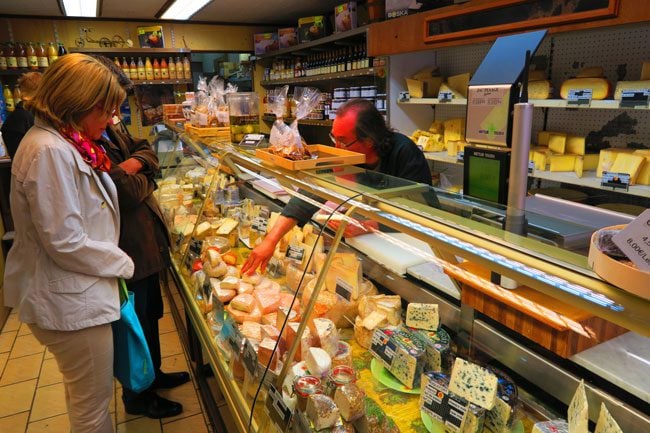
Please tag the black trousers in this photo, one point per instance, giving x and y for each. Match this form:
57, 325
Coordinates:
149, 309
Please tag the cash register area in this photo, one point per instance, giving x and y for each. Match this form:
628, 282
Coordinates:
32, 394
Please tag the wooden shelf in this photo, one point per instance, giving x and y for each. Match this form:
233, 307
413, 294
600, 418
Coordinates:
606, 104
158, 82
366, 72
327, 40
590, 180
129, 51
309, 122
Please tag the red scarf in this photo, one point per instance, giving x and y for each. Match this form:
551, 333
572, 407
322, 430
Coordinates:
89, 151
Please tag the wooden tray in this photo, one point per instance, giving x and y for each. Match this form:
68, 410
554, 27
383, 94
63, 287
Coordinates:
328, 156
220, 131
554, 325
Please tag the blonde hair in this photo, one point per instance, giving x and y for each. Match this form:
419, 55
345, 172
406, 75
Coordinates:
28, 83
71, 87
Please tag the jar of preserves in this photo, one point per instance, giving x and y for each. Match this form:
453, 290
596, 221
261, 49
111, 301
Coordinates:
304, 387
339, 376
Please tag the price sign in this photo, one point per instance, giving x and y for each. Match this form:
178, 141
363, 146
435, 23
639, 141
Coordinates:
445, 96
634, 241
250, 358
233, 336
252, 140
580, 96
279, 412
295, 252
404, 97
274, 267
531, 167
343, 289
615, 180
460, 156
635, 98
422, 142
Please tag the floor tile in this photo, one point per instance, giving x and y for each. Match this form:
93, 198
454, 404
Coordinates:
12, 323
142, 425
166, 324
24, 329
174, 363
48, 354
185, 395
14, 423
50, 373
7, 340
166, 306
194, 424
17, 397
170, 344
55, 424
21, 369
49, 401
3, 361
26, 345
120, 414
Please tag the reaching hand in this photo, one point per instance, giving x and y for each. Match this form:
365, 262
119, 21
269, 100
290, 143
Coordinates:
352, 230
259, 257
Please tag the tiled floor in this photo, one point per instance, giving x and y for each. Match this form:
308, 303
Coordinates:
32, 395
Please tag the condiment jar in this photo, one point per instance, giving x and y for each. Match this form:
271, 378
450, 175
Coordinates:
304, 387
339, 376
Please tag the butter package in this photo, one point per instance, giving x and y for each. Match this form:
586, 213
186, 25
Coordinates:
400, 353
438, 356
452, 413
311, 28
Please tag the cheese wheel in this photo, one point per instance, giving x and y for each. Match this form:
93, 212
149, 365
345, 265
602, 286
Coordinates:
629, 85
540, 89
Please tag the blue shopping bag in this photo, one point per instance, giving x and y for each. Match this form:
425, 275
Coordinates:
132, 364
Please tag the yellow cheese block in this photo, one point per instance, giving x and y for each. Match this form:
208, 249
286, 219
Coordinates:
575, 145
645, 71
630, 164
630, 85
435, 143
459, 83
590, 72
579, 166
540, 158
562, 162
540, 89
415, 88
437, 127
453, 147
557, 143
590, 161
607, 158
544, 136
600, 87
644, 173
454, 130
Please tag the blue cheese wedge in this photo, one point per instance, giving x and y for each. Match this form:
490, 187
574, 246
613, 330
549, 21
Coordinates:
422, 316
499, 418
400, 353
474, 383
579, 411
606, 422
438, 349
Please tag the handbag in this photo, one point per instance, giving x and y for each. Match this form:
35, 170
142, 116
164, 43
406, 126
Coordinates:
132, 364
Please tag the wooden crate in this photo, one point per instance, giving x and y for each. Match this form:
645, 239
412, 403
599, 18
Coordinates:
328, 156
220, 131
173, 113
561, 328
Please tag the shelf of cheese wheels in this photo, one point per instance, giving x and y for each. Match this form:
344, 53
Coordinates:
314, 338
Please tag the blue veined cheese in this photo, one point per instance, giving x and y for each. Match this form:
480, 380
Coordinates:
451, 413
578, 411
499, 418
422, 316
606, 422
438, 349
402, 355
474, 383
555, 426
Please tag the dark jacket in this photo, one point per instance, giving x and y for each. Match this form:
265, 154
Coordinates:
143, 233
15, 127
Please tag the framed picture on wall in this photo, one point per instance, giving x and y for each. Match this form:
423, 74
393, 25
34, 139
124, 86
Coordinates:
151, 37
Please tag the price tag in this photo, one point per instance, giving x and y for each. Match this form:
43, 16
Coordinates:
445, 96
260, 224
580, 96
635, 98
422, 142
615, 180
252, 140
250, 358
196, 246
233, 336
382, 347
440, 405
343, 289
634, 241
531, 167
295, 252
279, 412
460, 156
274, 268
404, 97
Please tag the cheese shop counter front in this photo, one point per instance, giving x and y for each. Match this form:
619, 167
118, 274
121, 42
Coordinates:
433, 319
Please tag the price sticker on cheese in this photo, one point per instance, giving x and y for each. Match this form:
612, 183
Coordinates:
634, 241
445, 96
580, 96
615, 180
422, 142
531, 167
344, 289
295, 252
233, 336
278, 411
635, 98
250, 358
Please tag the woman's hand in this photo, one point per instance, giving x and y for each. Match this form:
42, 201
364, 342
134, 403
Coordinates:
259, 257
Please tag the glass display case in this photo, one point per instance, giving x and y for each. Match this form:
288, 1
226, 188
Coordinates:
561, 324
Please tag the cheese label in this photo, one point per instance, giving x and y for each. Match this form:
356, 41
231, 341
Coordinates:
445, 96
580, 96
295, 252
233, 336
382, 347
250, 358
615, 180
344, 289
634, 241
278, 411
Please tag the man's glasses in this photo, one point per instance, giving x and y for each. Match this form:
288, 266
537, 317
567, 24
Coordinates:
340, 143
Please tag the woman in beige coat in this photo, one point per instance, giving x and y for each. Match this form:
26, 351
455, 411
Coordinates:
61, 272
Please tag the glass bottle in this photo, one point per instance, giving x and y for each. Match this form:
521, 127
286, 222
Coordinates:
172, 68
133, 70
148, 69
125, 67
164, 69
142, 74
179, 69
62, 50
41, 56
187, 69
52, 53
156, 69
117, 63
32, 60
9, 98
3, 58
17, 94
21, 55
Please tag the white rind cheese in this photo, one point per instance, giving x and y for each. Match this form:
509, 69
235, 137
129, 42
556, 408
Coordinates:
322, 411
474, 383
318, 361
422, 316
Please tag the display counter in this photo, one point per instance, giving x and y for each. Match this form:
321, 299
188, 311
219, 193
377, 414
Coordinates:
428, 250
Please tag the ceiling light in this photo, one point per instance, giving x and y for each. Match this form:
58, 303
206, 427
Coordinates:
80, 8
183, 9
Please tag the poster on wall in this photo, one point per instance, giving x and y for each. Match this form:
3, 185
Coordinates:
151, 37
149, 101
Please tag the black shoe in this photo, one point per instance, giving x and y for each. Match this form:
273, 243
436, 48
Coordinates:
170, 380
153, 406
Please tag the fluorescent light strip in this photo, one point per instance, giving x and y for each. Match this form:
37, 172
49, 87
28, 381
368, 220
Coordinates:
80, 8
183, 9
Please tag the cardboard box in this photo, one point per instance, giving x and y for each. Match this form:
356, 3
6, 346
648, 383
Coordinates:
311, 28
399, 8
151, 37
265, 43
287, 37
345, 17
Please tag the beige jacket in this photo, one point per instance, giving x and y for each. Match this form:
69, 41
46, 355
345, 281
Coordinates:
61, 270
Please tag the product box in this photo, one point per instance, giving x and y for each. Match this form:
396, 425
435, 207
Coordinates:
311, 28
288, 37
345, 17
151, 37
399, 8
265, 43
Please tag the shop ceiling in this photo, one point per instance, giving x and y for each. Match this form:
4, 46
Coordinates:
272, 12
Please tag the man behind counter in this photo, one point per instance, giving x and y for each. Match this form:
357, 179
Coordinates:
358, 127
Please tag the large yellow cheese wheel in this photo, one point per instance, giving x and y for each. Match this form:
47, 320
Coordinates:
600, 87
540, 89
630, 85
